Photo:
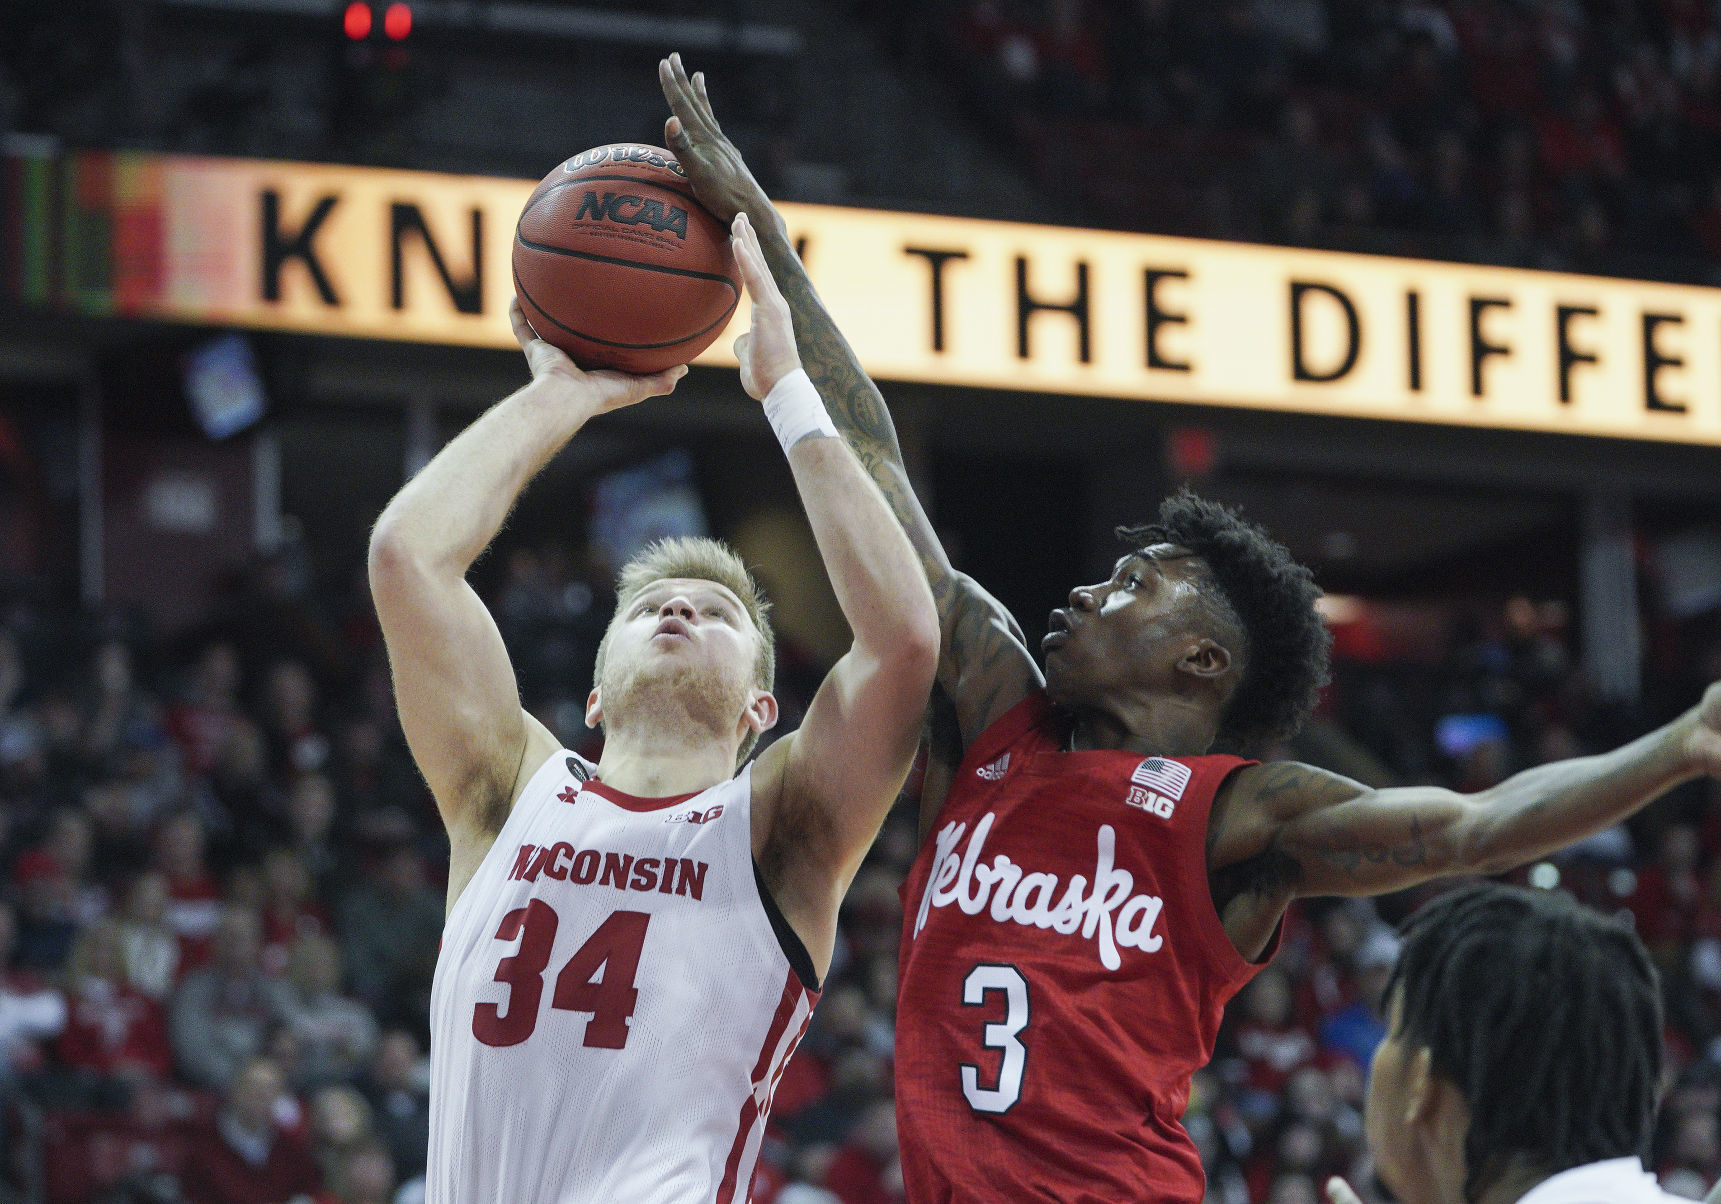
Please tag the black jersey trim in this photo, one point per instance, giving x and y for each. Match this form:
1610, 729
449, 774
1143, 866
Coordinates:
800, 961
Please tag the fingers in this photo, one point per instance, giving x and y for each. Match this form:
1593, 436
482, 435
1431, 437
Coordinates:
624, 389
755, 273
707, 111
523, 331
687, 98
660, 383
1339, 1192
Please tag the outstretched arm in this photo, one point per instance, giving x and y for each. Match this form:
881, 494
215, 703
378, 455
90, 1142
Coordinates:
459, 705
1338, 837
822, 792
985, 664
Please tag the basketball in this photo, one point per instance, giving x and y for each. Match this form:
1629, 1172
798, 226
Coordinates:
619, 266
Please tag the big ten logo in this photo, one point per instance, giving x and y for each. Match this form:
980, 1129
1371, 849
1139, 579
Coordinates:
696, 817
1147, 800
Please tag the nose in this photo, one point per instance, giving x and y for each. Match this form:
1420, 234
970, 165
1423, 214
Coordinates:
1082, 598
678, 606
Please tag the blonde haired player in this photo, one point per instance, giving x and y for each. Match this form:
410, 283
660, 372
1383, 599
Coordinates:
633, 948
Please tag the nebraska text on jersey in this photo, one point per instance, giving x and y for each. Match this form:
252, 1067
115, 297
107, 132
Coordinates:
1017, 893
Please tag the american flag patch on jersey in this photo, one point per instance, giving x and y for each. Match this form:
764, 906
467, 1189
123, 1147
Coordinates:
1163, 777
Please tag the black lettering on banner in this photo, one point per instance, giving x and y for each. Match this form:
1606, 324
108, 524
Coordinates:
935, 261
1413, 338
404, 219
1570, 357
280, 246
1027, 307
1300, 370
1654, 360
1480, 347
1158, 316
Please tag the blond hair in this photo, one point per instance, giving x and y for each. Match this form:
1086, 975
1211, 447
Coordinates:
698, 559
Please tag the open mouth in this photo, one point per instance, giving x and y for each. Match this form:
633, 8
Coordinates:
671, 625
1057, 630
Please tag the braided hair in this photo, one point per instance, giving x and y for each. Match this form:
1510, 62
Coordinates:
1546, 1017
1259, 589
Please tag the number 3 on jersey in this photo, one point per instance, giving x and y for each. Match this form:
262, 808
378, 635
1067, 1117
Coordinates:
982, 980
614, 948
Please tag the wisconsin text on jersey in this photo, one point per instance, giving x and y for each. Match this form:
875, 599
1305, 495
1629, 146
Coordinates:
621, 871
1018, 894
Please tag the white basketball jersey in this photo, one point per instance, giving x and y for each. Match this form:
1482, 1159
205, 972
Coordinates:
613, 1003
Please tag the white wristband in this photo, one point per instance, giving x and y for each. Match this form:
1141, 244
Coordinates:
796, 410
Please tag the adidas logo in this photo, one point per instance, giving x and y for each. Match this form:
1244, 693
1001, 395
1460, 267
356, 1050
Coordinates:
994, 771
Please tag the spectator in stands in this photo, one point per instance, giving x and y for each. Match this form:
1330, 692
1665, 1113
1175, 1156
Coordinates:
867, 1169
222, 1014
151, 948
246, 1155
204, 718
55, 896
310, 820
340, 1122
112, 1030
290, 907
391, 924
179, 854
297, 744
362, 1175
31, 1012
336, 1035
397, 1089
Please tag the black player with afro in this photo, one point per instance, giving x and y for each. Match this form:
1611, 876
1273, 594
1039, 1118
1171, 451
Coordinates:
1253, 583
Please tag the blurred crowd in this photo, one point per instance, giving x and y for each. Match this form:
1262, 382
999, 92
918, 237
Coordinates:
221, 897
1569, 134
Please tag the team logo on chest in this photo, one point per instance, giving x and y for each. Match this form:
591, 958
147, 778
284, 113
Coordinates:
1109, 912
1157, 784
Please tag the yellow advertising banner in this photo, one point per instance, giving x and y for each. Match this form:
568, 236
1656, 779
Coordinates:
420, 256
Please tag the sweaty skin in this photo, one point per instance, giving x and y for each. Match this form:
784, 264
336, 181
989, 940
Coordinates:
1278, 831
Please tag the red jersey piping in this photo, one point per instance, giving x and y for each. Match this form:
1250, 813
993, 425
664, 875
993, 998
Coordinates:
633, 802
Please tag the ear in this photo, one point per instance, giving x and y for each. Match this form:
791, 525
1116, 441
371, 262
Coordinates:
761, 712
1419, 1087
1205, 659
1435, 1104
594, 709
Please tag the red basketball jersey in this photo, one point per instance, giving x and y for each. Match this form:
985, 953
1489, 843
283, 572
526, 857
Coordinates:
1063, 974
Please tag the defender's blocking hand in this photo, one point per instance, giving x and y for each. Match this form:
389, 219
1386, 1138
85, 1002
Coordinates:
602, 389
767, 351
720, 177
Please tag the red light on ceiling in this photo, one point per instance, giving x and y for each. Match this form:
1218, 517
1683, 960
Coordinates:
397, 21
357, 21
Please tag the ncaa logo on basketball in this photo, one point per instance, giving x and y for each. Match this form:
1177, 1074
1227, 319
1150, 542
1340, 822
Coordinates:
1157, 784
630, 210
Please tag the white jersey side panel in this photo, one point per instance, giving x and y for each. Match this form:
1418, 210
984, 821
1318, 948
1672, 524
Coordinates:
612, 1007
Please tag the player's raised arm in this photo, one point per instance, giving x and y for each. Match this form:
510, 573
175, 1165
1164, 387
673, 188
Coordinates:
826, 788
985, 665
1342, 838
459, 705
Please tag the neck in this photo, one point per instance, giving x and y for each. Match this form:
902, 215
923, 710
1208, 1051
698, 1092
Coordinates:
1156, 725
657, 763
1512, 1184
